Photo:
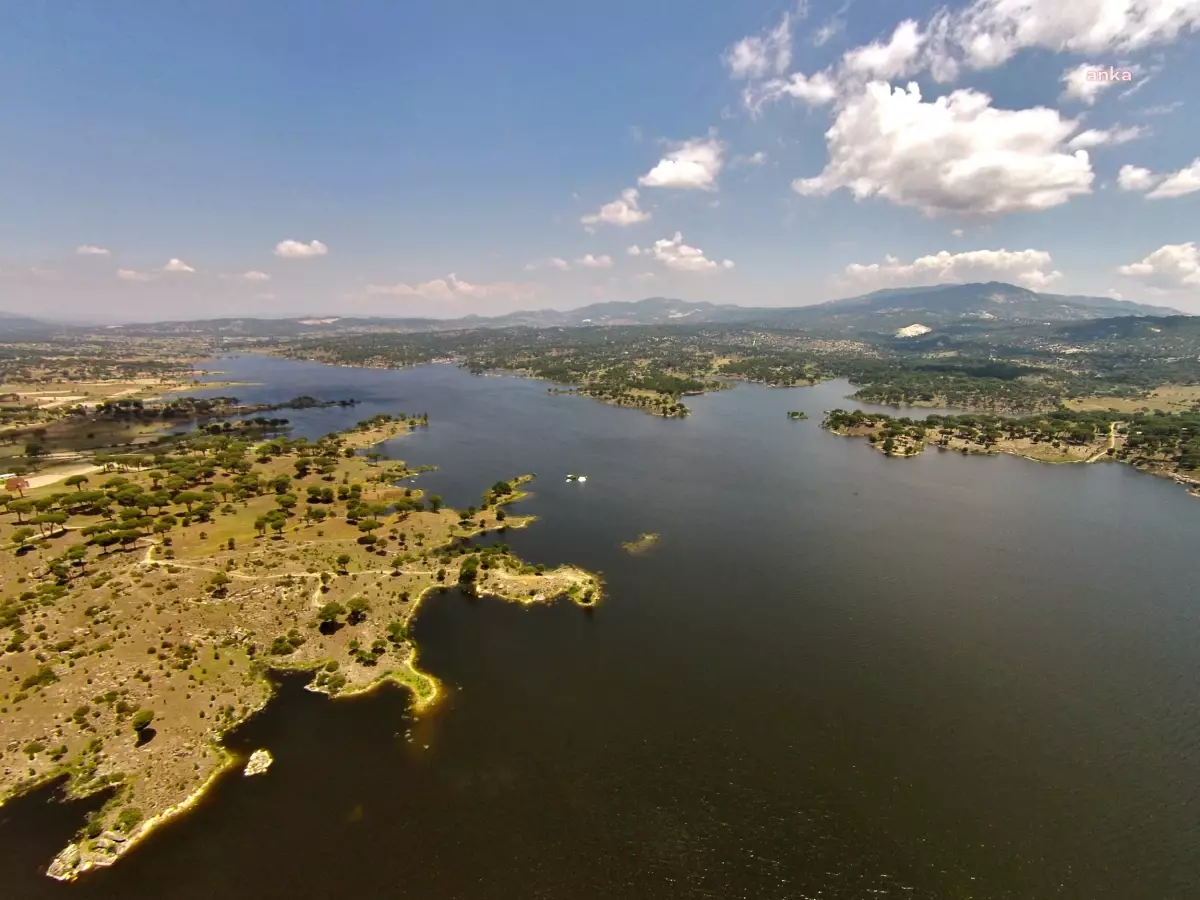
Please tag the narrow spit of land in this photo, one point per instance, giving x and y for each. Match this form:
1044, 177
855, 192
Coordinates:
143, 606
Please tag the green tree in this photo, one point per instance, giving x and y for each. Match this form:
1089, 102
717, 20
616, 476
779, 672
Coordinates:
330, 612
76, 481
21, 536
142, 719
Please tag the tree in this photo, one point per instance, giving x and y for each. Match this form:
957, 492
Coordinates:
189, 499
76, 481
286, 502
435, 502
358, 608
17, 484
343, 560
329, 612
142, 719
21, 536
20, 507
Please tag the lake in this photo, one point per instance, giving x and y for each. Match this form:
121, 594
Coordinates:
836, 675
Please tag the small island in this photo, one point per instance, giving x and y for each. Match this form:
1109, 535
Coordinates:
146, 603
795, 415
643, 543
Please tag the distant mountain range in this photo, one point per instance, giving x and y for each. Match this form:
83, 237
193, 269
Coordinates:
885, 311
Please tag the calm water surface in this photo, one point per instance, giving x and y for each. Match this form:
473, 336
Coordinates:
835, 676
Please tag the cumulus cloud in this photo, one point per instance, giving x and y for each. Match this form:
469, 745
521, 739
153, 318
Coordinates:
814, 90
1177, 184
133, 275
692, 165
956, 155
634, 250
985, 34
178, 266
988, 33
1165, 185
299, 250
452, 288
1170, 267
762, 55
675, 254
623, 211
1135, 178
91, 250
1078, 86
1030, 268
603, 261
898, 57
1096, 137
553, 262
255, 275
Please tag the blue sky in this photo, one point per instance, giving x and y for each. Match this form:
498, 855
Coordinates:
193, 159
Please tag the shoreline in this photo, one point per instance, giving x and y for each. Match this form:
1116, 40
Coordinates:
910, 446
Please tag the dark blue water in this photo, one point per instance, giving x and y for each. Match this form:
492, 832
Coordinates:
836, 675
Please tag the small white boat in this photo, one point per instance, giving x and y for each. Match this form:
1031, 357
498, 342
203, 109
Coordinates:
581, 478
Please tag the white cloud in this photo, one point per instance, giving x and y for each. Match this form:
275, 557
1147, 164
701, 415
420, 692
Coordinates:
1115, 294
1165, 185
299, 250
452, 288
815, 90
634, 250
178, 266
762, 55
1162, 109
553, 262
757, 158
990, 32
1030, 268
956, 155
692, 165
1081, 87
623, 211
900, 56
132, 275
1171, 266
91, 250
985, 34
1135, 178
675, 254
1177, 184
644, 276
255, 275
957, 232
603, 261
1096, 137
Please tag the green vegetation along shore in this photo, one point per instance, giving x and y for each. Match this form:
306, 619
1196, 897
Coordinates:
1161, 444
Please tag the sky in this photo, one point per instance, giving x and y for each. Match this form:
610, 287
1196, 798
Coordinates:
183, 160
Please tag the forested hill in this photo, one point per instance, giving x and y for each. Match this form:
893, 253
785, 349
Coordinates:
885, 311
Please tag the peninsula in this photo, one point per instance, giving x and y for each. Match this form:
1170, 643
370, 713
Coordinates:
144, 605
1168, 446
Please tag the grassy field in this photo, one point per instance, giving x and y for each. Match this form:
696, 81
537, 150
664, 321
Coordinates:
1169, 398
